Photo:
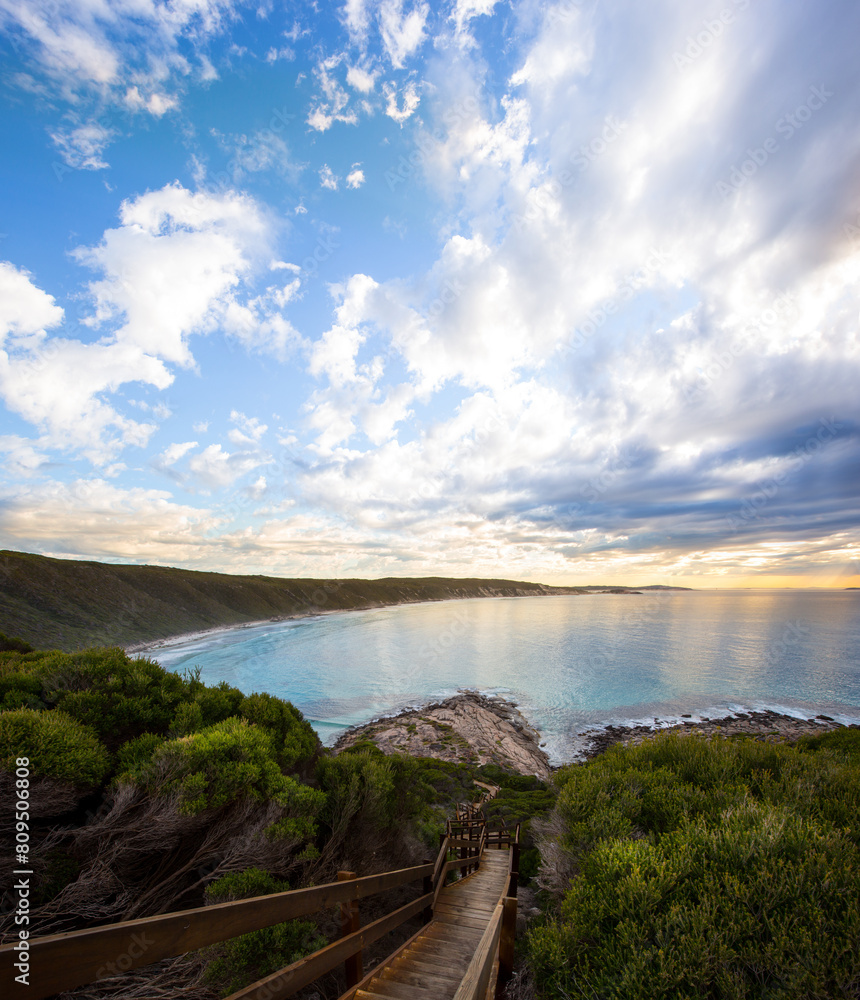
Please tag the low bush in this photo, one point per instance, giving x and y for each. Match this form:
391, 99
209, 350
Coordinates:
223, 763
243, 960
705, 868
57, 746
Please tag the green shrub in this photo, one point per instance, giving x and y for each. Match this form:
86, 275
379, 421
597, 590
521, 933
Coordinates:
222, 763
293, 738
56, 745
13, 644
706, 868
135, 754
242, 960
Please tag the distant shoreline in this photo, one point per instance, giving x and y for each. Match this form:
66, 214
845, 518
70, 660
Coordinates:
143, 647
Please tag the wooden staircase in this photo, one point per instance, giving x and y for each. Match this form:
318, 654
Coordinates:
434, 963
463, 950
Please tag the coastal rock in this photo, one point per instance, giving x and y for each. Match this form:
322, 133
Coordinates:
767, 726
468, 728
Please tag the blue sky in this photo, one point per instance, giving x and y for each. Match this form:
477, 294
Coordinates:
559, 291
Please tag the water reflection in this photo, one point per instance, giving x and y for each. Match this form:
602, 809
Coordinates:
571, 662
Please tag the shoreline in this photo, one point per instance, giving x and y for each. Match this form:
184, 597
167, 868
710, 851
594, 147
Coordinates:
142, 647
476, 728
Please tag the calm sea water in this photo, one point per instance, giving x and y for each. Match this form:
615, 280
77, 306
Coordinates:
571, 663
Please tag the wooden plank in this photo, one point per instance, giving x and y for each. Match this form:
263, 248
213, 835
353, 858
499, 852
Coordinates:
289, 980
60, 962
476, 980
351, 993
407, 972
463, 921
403, 991
445, 966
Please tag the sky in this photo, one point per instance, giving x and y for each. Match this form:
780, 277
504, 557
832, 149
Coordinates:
560, 291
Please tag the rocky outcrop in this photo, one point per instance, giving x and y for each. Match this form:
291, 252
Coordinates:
769, 727
468, 728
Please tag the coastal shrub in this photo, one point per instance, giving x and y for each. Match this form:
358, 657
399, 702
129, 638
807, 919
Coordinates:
119, 698
222, 763
714, 868
56, 745
293, 737
13, 644
132, 756
122, 698
243, 960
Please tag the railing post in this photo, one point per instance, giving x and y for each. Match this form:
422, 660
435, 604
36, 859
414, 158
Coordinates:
506, 945
427, 887
350, 922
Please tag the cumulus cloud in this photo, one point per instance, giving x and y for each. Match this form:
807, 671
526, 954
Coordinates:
355, 178
172, 268
642, 354
361, 79
26, 312
332, 103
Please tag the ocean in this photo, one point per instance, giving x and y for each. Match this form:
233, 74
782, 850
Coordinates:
571, 663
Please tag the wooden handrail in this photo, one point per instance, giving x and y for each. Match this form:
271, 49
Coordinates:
61, 962
294, 977
477, 977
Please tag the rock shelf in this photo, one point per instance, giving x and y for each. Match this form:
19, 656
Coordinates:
767, 726
468, 728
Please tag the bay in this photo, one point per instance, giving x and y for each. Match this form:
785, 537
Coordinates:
570, 662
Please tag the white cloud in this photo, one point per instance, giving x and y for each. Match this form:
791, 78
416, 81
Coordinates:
248, 430
174, 452
82, 147
25, 310
96, 47
274, 54
215, 468
333, 103
23, 457
361, 79
156, 103
402, 32
410, 102
328, 178
92, 518
356, 15
173, 268
355, 178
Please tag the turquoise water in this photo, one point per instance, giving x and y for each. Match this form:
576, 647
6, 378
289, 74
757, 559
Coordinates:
571, 663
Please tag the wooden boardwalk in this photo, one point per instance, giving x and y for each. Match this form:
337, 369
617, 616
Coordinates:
432, 964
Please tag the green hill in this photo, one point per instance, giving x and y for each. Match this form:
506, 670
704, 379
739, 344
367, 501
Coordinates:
70, 604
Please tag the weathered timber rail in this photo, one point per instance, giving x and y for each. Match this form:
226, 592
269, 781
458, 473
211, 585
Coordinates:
463, 951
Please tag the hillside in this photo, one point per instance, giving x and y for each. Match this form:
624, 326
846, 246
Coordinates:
69, 604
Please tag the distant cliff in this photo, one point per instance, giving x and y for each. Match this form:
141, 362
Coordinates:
69, 604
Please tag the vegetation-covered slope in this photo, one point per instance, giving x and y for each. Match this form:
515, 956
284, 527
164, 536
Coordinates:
689, 867
68, 604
